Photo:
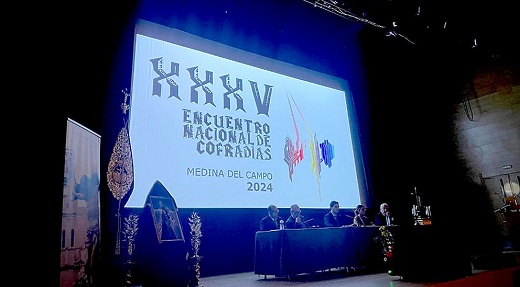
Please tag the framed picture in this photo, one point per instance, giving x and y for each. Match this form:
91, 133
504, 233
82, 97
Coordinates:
166, 219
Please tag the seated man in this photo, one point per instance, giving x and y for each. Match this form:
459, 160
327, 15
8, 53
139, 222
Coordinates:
383, 217
271, 221
332, 219
296, 220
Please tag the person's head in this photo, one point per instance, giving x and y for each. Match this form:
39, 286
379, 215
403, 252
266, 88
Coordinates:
360, 209
384, 208
334, 207
295, 210
272, 210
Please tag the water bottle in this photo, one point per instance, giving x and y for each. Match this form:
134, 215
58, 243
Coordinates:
282, 227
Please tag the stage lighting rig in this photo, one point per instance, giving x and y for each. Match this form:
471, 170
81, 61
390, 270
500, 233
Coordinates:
332, 7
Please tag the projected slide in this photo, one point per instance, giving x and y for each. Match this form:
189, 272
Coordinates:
222, 128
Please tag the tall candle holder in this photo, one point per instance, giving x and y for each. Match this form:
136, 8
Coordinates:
130, 232
196, 233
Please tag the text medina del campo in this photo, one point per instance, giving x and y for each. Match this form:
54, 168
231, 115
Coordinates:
208, 172
219, 135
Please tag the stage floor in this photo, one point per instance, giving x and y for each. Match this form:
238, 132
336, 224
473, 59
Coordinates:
508, 277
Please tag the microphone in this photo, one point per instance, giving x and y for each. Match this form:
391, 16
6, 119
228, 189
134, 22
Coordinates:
346, 215
307, 220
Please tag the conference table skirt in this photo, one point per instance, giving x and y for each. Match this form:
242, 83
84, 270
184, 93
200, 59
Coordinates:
295, 251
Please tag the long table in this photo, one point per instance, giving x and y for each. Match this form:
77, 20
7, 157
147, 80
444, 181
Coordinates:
294, 251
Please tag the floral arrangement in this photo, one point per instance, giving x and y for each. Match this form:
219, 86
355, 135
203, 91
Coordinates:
387, 242
196, 233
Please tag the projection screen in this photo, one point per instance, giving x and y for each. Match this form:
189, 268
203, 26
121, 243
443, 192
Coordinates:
224, 128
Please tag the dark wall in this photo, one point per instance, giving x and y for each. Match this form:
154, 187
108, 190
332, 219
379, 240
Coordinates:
412, 92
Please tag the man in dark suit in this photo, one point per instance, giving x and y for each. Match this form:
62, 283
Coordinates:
332, 219
383, 217
271, 221
296, 220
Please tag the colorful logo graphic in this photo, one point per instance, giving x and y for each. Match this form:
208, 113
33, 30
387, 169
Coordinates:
294, 153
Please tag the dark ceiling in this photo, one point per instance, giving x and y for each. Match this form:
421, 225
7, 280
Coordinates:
489, 27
